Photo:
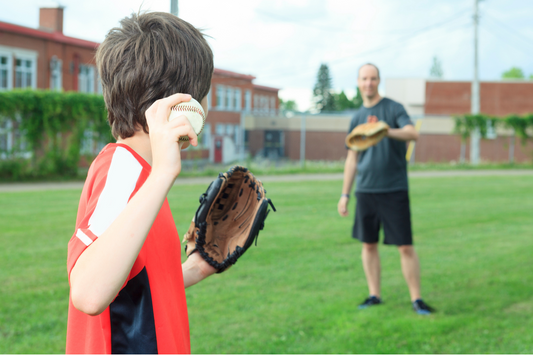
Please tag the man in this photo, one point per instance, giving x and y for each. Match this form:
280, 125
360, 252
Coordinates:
382, 190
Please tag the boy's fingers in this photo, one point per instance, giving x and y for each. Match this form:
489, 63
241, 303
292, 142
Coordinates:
186, 131
164, 105
182, 121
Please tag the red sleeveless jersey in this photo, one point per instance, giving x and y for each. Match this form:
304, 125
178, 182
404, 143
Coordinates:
149, 315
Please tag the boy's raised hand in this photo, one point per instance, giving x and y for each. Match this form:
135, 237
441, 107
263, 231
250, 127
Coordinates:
164, 135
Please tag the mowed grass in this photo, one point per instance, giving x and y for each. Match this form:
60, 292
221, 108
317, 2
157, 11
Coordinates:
297, 292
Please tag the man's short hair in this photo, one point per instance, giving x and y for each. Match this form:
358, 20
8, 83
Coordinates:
148, 57
368, 64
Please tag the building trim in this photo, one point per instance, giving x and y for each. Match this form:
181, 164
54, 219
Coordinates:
51, 36
232, 74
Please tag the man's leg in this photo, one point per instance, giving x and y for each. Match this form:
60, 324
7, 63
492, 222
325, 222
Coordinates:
372, 267
411, 270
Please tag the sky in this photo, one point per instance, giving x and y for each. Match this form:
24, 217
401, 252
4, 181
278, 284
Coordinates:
283, 42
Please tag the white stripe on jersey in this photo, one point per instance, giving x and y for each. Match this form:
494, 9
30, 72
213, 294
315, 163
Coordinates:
122, 177
83, 237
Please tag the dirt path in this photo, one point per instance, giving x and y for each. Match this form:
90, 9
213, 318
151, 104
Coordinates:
16, 187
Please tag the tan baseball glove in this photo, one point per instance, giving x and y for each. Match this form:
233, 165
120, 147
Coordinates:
366, 135
232, 212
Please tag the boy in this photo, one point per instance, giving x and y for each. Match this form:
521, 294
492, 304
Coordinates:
127, 283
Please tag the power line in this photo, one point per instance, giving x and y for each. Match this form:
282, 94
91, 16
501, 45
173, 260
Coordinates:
337, 29
309, 71
505, 40
388, 46
511, 30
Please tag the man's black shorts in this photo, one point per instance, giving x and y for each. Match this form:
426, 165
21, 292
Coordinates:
390, 209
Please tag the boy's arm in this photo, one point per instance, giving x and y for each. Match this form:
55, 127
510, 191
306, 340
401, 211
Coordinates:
103, 268
195, 269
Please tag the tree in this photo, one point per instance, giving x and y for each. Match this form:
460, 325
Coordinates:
513, 73
342, 102
436, 69
289, 105
323, 98
358, 99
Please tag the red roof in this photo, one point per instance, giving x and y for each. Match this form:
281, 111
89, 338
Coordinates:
233, 74
52, 36
266, 88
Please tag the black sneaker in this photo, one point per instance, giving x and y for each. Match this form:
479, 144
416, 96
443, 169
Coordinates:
370, 301
420, 307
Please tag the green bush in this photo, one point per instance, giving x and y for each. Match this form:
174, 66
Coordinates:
466, 124
49, 127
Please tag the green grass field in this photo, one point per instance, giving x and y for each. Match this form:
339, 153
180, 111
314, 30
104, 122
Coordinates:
297, 292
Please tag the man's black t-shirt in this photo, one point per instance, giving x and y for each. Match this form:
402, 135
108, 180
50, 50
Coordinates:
382, 168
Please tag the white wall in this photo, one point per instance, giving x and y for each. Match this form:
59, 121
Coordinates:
410, 92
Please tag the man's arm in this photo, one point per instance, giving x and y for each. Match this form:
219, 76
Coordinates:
406, 133
350, 168
104, 266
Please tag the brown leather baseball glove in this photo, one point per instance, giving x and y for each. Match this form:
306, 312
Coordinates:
232, 212
366, 135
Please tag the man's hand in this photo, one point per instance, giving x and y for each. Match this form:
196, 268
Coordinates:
342, 206
164, 135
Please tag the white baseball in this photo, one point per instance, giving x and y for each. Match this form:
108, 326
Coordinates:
194, 113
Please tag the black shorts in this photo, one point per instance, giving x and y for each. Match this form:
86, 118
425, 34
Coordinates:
390, 209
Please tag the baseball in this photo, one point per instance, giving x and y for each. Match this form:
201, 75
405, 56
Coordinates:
194, 113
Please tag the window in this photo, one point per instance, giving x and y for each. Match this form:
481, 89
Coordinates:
221, 94
238, 105
273, 104
6, 80
248, 100
12, 142
99, 87
205, 137
263, 103
229, 129
6, 139
229, 99
86, 79
56, 75
219, 129
236, 135
25, 73
209, 98
491, 132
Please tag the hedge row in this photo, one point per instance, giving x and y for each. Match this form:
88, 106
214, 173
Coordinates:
49, 127
466, 124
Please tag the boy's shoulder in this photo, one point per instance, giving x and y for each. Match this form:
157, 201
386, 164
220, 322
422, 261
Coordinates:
117, 164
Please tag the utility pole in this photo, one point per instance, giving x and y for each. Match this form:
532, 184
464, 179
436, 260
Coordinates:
302, 139
475, 136
174, 7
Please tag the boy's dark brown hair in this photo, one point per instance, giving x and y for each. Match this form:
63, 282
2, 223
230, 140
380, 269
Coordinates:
150, 56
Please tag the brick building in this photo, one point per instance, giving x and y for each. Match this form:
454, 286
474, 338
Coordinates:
434, 103
232, 97
45, 58
437, 101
